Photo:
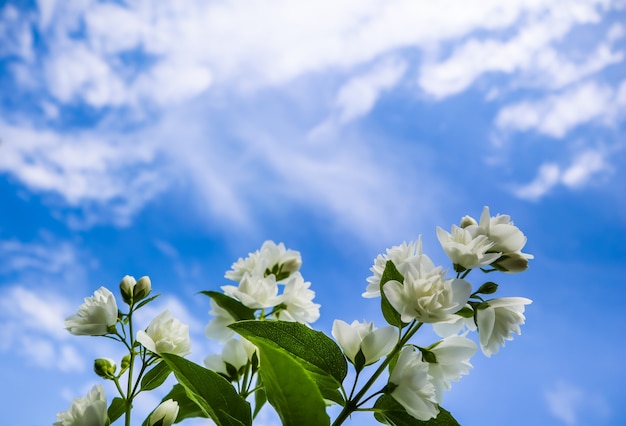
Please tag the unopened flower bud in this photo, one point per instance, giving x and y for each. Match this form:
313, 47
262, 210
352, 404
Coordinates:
513, 263
142, 288
165, 414
127, 286
125, 362
467, 221
104, 367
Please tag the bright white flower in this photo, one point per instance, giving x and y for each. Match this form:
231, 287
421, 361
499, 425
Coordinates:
498, 320
507, 237
404, 257
235, 355
363, 337
414, 389
90, 409
270, 259
298, 301
465, 250
94, 317
165, 334
217, 328
166, 413
452, 361
255, 291
454, 326
427, 296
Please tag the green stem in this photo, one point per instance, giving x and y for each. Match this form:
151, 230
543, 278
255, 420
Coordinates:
129, 387
353, 403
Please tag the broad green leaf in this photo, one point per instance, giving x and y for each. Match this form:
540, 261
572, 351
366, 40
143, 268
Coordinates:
389, 312
390, 412
116, 409
234, 307
186, 407
155, 377
213, 394
306, 344
260, 398
290, 388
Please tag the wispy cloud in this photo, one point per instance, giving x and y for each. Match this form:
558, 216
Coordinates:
584, 167
568, 403
558, 114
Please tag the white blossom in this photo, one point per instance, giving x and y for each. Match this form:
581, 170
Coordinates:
427, 296
414, 389
166, 413
363, 337
465, 250
165, 334
96, 316
454, 326
272, 258
255, 291
297, 299
404, 257
217, 328
90, 409
497, 319
506, 237
235, 353
452, 361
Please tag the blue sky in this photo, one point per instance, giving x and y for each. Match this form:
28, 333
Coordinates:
169, 139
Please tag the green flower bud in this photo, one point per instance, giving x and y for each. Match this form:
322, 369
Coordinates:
142, 288
126, 288
125, 362
104, 367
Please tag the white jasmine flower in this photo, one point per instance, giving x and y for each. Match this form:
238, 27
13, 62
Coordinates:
165, 413
235, 355
255, 291
270, 259
165, 334
465, 250
413, 385
96, 316
372, 343
507, 237
217, 328
90, 409
454, 326
404, 257
497, 319
298, 301
426, 296
452, 361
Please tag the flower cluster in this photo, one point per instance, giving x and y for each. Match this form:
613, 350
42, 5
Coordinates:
99, 315
418, 292
271, 354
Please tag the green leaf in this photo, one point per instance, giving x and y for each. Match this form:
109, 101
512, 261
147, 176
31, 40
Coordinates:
145, 302
465, 312
389, 312
306, 344
116, 409
260, 398
155, 377
234, 307
213, 394
290, 388
390, 412
186, 407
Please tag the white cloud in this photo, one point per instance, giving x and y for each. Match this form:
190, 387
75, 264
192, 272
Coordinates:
84, 169
530, 52
584, 167
556, 115
568, 403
